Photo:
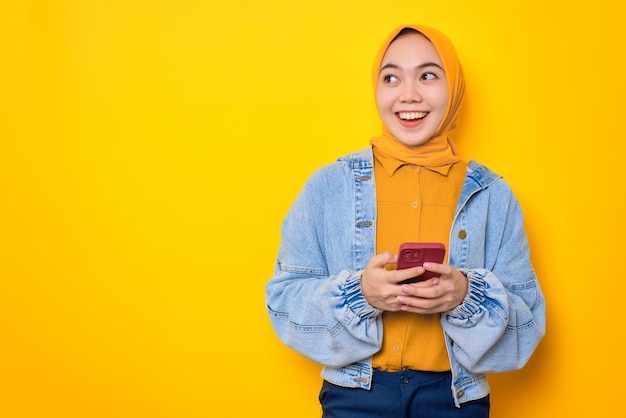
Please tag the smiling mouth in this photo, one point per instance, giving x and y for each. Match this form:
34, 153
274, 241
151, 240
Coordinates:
412, 115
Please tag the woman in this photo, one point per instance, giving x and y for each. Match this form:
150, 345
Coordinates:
419, 349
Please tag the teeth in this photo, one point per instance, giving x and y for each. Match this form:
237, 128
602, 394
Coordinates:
412, 115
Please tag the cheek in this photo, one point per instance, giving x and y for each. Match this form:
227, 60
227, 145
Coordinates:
440, 98
379, 106
383, 102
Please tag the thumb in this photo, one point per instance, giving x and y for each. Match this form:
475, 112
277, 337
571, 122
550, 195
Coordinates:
383, 259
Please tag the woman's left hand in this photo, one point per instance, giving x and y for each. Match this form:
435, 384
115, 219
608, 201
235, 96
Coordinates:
435, 295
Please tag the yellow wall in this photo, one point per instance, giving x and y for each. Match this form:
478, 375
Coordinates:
150, 149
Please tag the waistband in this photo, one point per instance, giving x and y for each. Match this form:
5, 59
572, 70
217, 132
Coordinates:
407, 377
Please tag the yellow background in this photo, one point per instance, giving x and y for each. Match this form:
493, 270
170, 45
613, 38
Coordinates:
150, 149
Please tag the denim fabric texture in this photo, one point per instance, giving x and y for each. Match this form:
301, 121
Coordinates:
315, 302
404, 394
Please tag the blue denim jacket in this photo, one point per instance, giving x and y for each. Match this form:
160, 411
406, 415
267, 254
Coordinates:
317, 307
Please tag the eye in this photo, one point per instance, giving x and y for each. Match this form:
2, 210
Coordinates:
390, 79
428, 76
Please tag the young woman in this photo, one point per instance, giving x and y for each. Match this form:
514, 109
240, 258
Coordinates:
420, 349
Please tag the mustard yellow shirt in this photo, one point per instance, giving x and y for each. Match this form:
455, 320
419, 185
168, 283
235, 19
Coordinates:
414, 204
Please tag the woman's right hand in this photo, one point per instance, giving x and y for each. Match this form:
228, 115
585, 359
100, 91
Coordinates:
380, 286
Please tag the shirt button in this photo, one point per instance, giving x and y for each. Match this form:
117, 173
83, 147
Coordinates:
460, 394
396, 348
414, 204
462, 234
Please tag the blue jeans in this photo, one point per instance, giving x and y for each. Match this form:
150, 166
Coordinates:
404, 394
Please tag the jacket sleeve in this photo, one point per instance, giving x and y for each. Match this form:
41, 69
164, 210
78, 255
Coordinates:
318, 312
502, 319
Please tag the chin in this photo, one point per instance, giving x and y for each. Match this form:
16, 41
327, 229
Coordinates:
411, 139
413, 142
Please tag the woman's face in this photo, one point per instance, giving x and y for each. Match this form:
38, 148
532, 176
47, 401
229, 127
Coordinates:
412, 91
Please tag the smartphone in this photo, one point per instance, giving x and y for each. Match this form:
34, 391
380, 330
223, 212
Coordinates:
414, 254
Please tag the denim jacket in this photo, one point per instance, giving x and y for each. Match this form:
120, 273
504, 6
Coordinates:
317, 308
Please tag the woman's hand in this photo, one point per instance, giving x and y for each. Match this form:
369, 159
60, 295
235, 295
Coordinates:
381, 287
436, 295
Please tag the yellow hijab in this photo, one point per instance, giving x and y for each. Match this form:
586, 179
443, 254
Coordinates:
439, 150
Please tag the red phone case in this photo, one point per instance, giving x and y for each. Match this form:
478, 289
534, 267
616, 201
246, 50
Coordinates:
414, 254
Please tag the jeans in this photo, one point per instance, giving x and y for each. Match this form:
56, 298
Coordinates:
404, 394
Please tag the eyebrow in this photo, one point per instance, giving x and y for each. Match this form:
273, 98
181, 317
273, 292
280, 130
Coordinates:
418, 67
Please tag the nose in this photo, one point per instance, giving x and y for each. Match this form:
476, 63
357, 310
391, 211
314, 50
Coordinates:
410, 92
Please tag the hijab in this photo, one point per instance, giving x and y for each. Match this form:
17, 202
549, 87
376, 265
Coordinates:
440, 149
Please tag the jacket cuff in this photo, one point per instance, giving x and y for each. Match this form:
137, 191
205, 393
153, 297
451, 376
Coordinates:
354, 296
476, 293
